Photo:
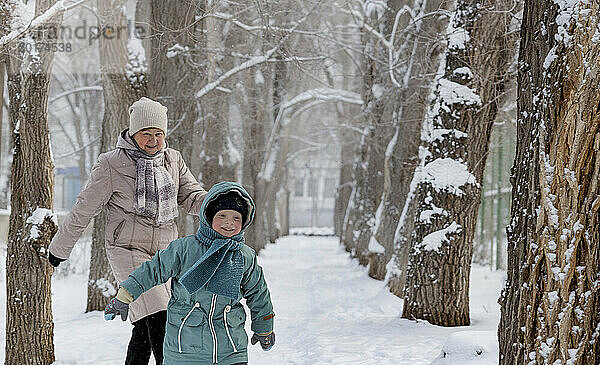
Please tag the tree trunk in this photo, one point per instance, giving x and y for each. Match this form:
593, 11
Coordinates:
173, 78
119, 92
5, 19
456, 144
101, 281
411, 91
550, 307
402, 239
279, 150
220, 158
358, 180
280, 155
369, 180
368, 193
283, 206
499, 209
481, 251
3, 202
256, 124
78, 129
380, 113
344, 189
29, 322
346, 137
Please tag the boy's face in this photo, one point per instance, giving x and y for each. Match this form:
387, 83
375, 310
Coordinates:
227, 222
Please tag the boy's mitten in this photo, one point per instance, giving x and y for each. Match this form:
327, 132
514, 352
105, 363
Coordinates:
266, 340
54, 261
115, 307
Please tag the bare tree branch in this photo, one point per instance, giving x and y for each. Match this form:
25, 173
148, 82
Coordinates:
57, 8
73, 91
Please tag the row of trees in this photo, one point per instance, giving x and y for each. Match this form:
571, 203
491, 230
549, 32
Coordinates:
413, 200
415, 87
408, 207
239, 79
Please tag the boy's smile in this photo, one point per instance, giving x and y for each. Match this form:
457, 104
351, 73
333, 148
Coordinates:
227, 222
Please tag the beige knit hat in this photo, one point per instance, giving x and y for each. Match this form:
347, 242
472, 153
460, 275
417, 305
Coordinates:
147, 113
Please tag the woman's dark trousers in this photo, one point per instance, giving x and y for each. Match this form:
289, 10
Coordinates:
146, 338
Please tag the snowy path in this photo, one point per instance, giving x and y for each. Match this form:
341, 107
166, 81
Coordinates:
328, 311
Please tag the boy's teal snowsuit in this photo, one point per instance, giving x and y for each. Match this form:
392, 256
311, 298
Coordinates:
202, 327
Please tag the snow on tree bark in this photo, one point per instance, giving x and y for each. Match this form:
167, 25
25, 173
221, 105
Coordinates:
29, 322
550, 305
455, 142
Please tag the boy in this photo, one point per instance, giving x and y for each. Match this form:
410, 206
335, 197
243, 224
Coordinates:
211, 272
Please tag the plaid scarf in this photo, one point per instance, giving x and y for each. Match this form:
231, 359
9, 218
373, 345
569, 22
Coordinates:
155, 194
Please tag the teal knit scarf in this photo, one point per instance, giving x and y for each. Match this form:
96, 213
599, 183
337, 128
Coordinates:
220, 268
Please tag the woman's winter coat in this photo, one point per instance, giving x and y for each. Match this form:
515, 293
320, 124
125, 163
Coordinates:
203, 327
130, 239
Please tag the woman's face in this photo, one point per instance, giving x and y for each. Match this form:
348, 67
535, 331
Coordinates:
151, 140
227, 222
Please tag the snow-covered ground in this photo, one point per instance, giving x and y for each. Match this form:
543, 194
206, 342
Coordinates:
328, 311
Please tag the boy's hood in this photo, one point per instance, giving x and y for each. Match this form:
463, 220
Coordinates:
222, 188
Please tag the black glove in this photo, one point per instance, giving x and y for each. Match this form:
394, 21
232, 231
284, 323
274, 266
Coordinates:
114, 307
54, 261
266, 341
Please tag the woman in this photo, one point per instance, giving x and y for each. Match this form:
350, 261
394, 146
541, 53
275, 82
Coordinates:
141, 183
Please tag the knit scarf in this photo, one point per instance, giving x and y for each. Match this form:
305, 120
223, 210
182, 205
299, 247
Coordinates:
220, 268
155, 194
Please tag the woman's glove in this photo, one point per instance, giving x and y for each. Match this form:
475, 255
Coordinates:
54, 261
115, 307
267, 340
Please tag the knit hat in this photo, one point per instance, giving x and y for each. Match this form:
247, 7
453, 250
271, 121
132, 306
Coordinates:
231, 200
147, 113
